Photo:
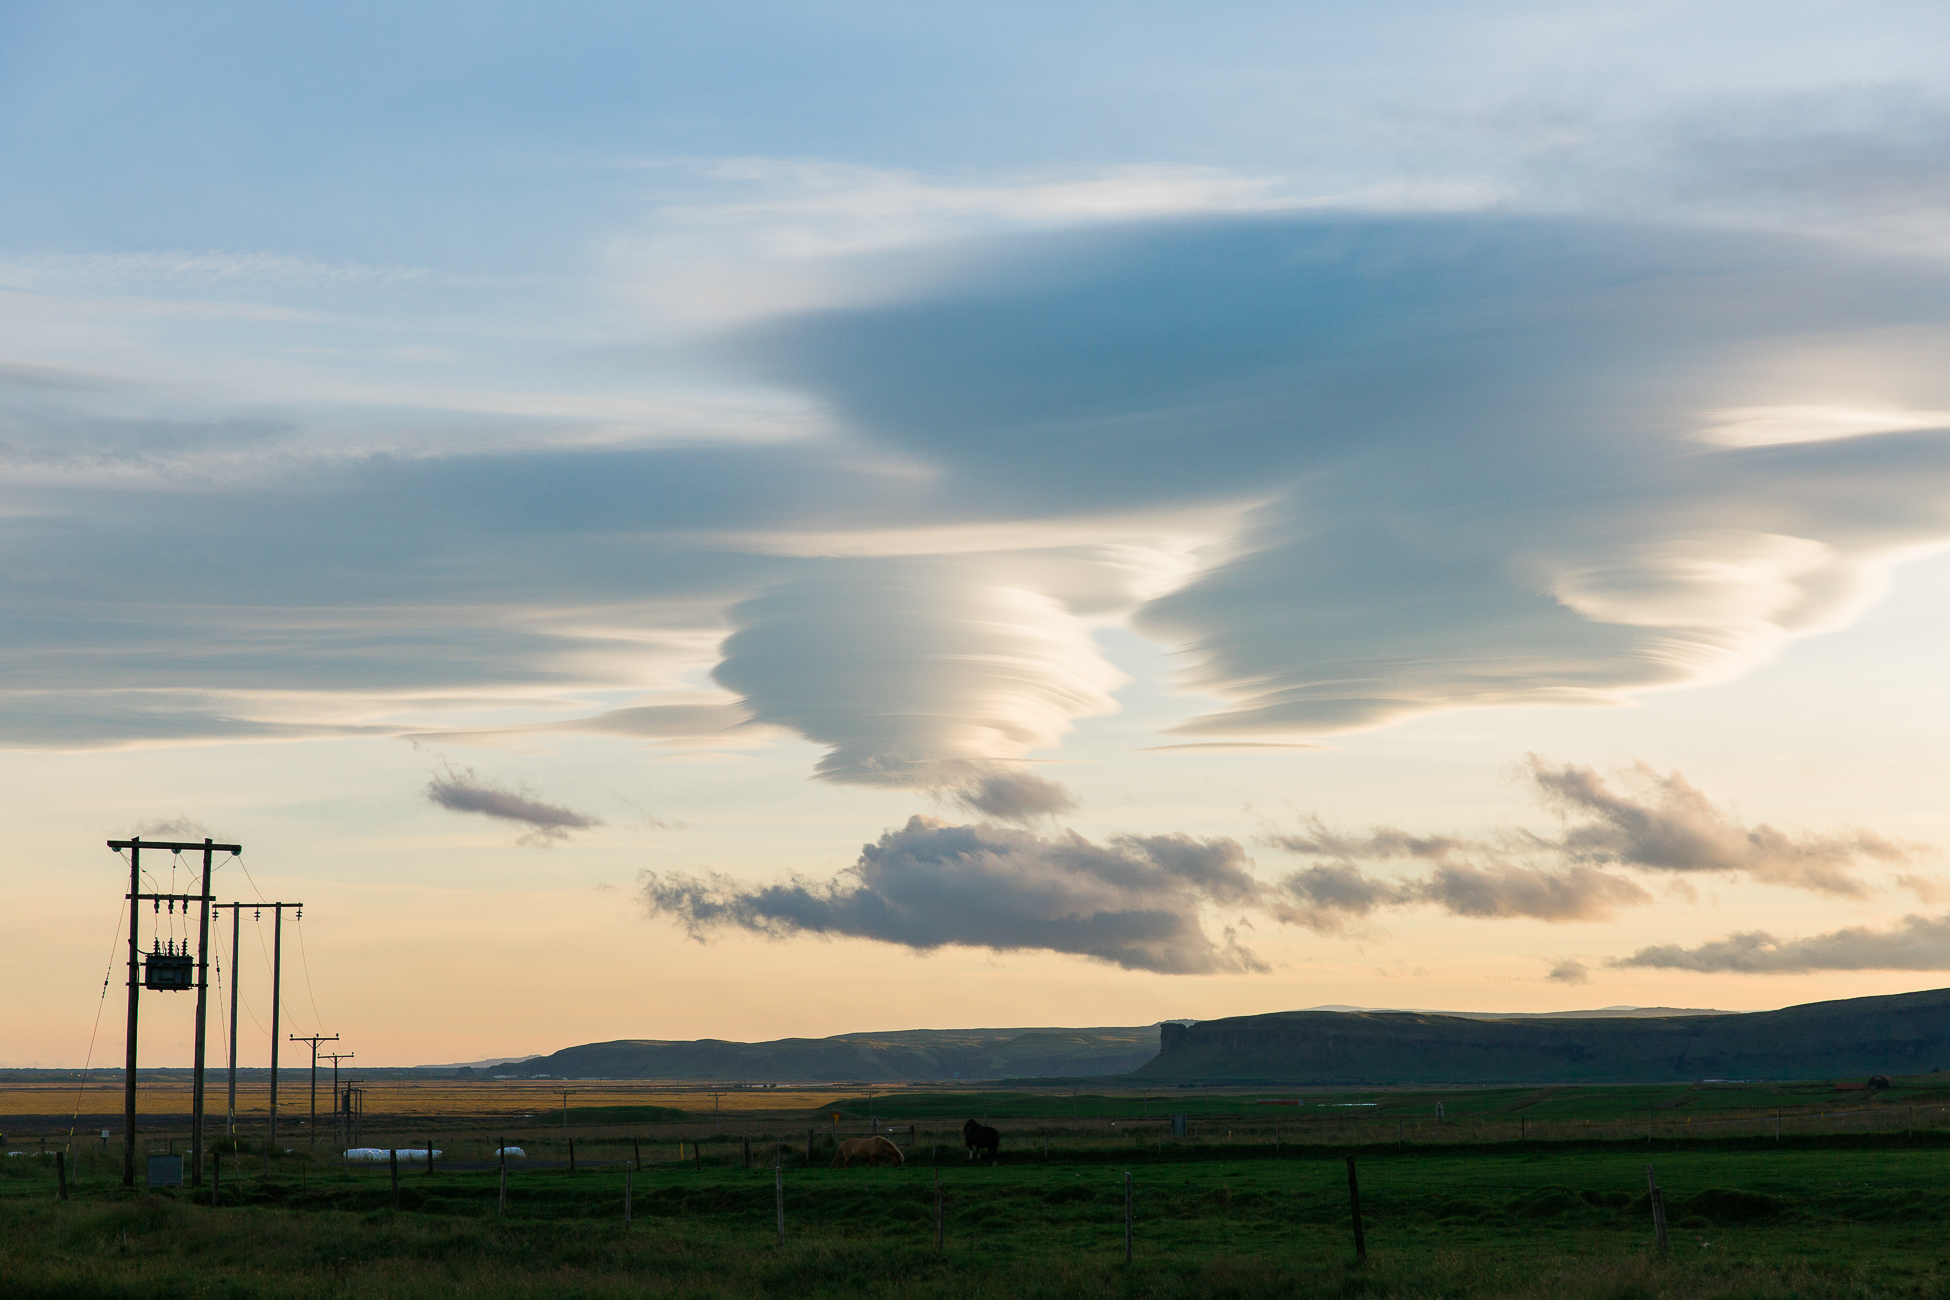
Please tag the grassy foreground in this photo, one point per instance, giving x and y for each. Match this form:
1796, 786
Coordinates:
1569, 1223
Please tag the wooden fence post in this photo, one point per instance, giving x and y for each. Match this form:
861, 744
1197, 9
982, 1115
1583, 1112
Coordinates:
1354, 1203
1127, 1216
61, 1175
636, 1152
628, 1175
1658, 1200
392, 1158
778, 1196
697, 1156
501, 1206
429, 1155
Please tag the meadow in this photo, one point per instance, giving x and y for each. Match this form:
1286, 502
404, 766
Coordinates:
1246, 1205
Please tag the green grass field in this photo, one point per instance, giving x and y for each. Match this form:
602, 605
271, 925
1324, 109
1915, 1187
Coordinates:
1837, 1220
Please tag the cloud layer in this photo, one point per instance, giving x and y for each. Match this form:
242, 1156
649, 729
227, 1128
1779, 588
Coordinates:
1133, 902
1920, 943
1350, 468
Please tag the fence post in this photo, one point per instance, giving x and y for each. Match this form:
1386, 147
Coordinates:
748, 1153
937, 1209
1658, 1209
697, 1156
392, 1159
1354, 1202
628, 1175
429, 1155
61, 1175
778, 1196
501, 1206
1127, 1216
636, 1152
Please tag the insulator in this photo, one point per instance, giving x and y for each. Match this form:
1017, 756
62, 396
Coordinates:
172, 907
257, 914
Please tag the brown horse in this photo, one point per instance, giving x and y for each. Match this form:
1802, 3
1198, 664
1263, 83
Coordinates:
873, 1150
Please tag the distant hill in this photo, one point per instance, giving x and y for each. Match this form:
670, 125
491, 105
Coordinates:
1600, 1013
904, 1054
1908, 1033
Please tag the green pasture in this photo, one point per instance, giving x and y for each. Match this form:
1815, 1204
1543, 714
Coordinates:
1927, 1095
1487, 1222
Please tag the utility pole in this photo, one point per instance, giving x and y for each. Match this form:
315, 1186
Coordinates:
714, 1107
135, 994
565, 1107
277, 991
315, 1040
136, 898
337, 1112
236, 921
202, 1003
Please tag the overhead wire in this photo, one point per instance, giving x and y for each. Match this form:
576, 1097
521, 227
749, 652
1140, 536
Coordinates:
88, 1062
304, 960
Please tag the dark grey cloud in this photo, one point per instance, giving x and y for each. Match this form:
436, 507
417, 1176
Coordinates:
1569, 970
1504, 890
1133, 901
1328, 897
1664, 823
1013, 796
1919, 943
461, 789
1645, 819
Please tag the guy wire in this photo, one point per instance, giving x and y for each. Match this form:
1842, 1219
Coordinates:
89, 1060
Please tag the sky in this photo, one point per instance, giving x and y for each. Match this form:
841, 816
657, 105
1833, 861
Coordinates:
779, 519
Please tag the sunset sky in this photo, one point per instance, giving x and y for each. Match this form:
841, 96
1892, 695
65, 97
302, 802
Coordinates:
755, 520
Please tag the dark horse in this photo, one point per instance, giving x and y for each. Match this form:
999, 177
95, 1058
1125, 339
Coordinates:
980, 1137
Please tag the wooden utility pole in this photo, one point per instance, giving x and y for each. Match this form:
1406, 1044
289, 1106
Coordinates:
202, 1006
338, 1113
236, 925
136, 897
277, 998
315, 1040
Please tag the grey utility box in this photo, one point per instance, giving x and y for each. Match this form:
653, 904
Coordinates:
165, 1171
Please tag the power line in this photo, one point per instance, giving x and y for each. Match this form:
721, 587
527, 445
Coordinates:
304, 961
